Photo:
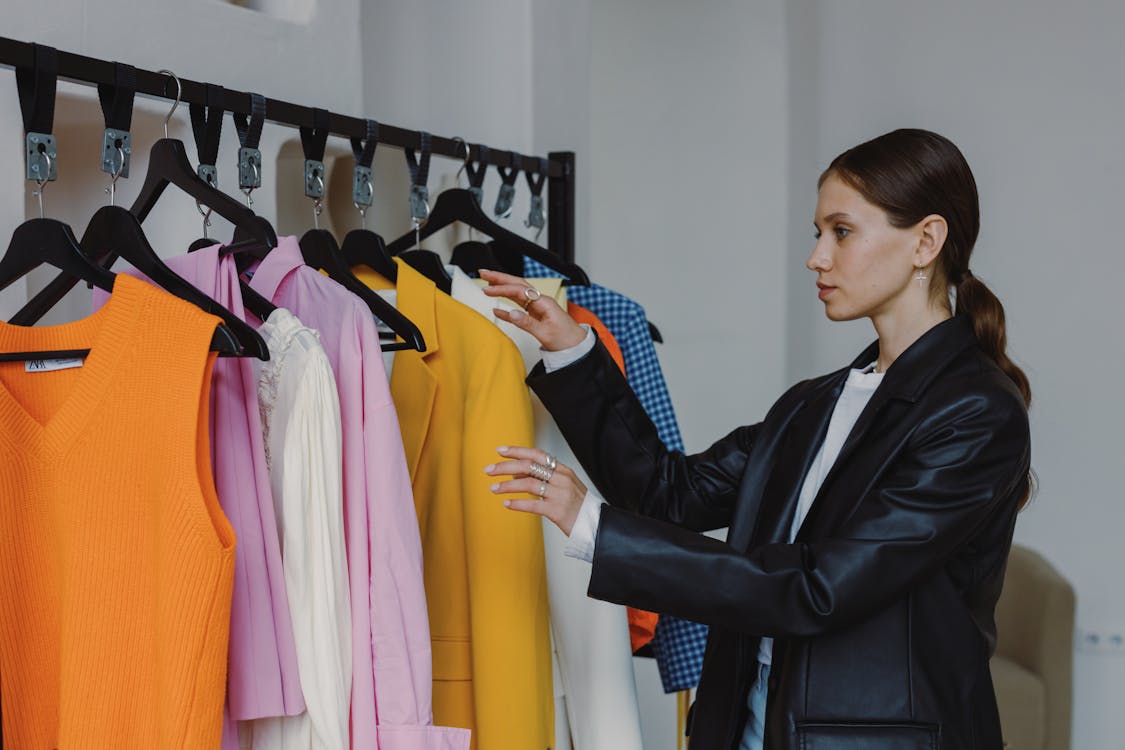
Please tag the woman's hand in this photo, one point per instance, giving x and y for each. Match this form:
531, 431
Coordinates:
542, 317
562, 494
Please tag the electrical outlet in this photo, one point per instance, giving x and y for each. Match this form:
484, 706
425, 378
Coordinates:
1104, 640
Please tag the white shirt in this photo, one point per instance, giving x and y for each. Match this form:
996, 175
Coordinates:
301, 417
860, 385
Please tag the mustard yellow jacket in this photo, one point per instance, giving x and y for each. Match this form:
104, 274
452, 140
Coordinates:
485, 576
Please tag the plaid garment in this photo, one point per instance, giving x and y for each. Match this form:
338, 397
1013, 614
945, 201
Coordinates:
678, 645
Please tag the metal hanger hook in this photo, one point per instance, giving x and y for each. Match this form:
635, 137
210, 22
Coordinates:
179, 94
248, 190
113, 178
318, 209
206, 217
41, 185
468, 156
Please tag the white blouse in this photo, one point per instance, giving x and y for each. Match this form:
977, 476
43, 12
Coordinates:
301, 418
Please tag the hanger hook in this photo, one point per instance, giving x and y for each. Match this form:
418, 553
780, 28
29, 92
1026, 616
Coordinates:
41, 185
113, 178
467, 158
257, 178
175, 104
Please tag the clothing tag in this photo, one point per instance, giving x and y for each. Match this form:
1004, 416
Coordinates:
50, 365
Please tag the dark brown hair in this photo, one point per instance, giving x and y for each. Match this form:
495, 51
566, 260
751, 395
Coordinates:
911, 174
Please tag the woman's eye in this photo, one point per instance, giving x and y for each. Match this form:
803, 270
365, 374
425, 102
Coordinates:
842, 232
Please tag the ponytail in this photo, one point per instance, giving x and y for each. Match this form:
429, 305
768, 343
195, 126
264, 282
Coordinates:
987, 314
983, 308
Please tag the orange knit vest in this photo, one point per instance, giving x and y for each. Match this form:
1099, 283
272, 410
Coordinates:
116, 561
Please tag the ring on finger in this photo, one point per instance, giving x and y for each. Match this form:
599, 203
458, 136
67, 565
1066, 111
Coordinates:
532, 294
542, 490
552, 462
540, 472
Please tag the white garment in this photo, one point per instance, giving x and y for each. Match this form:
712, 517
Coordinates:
594, 659
301, 418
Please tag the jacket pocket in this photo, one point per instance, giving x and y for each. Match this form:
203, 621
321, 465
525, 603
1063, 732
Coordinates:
867, 736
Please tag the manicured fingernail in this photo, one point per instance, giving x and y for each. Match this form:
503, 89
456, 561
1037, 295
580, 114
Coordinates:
488, 469
494, 487
507, 503
515, 314
502, 449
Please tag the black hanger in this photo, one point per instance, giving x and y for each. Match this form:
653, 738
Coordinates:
362, 246
429, 264
112, 228
40, 241
458, 204
472, 256
319, 250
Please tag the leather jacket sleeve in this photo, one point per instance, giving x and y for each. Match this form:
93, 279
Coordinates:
619, 448
966, 463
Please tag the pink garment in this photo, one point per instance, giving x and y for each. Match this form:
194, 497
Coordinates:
263, 679
392, 705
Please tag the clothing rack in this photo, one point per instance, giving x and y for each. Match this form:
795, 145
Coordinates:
560, 174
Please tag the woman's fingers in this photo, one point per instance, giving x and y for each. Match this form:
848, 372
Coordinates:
523, 485
499, 277
520, 453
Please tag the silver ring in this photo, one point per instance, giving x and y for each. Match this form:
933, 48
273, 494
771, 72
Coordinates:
542, 490
552, 462
532, 294
541, 472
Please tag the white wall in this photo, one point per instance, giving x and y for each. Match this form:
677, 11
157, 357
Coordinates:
1030, 93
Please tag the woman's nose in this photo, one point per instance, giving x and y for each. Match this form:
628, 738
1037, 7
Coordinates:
819, 260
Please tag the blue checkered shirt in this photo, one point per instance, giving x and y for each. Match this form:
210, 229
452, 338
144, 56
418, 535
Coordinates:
679, 644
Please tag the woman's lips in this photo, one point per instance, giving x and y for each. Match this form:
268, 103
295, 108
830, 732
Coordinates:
825, 290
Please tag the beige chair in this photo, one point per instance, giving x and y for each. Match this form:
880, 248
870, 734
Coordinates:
1031, 669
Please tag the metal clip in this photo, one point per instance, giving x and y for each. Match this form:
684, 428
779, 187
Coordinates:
249, 168
419, 203
314, 178
535, 217
478, 193
504, 201
116, 149
209, 174
42, 159
363, 187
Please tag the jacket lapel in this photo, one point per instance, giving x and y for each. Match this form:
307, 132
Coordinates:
906, 380
413, 380
798, 448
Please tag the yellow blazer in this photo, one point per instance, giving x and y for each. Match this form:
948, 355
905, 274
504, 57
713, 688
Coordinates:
485, 575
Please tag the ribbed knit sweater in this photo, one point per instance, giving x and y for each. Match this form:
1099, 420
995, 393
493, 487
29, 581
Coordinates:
116, 560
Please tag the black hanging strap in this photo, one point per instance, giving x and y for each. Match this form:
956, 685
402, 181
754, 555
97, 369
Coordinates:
537, 180
36, 87
117, 97
363, 149
476, 173
207, 125
508, 176
419, 175
313, 141
117, 109
536, 217
249, 129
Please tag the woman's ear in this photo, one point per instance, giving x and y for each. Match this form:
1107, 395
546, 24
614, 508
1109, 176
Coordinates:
933, 231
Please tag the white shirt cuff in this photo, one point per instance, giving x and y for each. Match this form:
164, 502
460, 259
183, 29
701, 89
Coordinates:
557, 360
580, 545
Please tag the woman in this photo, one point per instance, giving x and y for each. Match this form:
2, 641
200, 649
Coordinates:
870, 513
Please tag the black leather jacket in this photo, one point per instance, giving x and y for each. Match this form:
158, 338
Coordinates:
882, 609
